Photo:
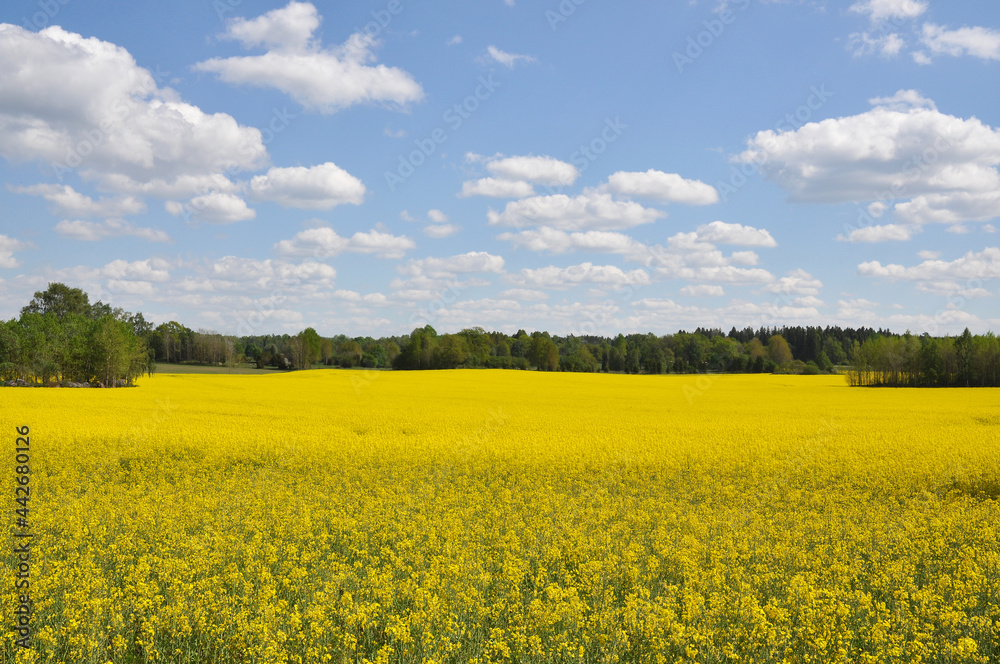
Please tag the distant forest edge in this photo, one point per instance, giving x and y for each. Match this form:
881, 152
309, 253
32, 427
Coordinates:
61, 338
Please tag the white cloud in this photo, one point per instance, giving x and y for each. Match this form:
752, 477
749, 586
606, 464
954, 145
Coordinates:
903, 148
437, 216
130, 287
904, 101
557, 242
951, 289
949, 321
857, 310
290, 28
883, 233
886, 45
950, 208
669, 307
524, 294
703, 290
438, 231
877, 209
720, 232
236, 273
880, 10
471, 262
808, 301
686, 255
153, 269
97, 230
323, 80
973, 266
69, 202
497, 188
316, 188
323, 243
664, 187
798, 282
976, 41
756, 313
726, 274
589, 211
554, 277
928, 255
8, 246
507, 59
541, 170
691, 250
216, 208
452, 41
84, 104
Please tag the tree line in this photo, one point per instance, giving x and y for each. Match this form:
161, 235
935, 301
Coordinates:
764, 350
924, 361
61, 336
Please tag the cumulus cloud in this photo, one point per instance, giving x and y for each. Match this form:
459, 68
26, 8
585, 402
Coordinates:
686, 255
952, 288
703, 290
755, 312
880, 233
237, 273
543, 170
553, 277
720, 232
439, 231
67, 201
588, 211
82, 103
984, 264
903, 148
886, 45
525, 294
290, 28
663, 187
325, 80
153, 269
91, 231
8, 246
471, 262
216, 208
881, 10
556, 241
977, 42
497, 188
316, 188
130, 287
727, 274
798, 282
322, 243
513, 176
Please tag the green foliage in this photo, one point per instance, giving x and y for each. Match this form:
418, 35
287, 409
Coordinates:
61, 338
778, 350
909, 361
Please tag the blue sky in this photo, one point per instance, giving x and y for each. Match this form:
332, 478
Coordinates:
578, 166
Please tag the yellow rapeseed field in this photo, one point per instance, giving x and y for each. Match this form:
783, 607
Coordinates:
490, 516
